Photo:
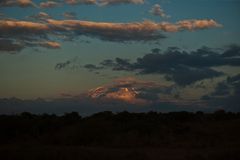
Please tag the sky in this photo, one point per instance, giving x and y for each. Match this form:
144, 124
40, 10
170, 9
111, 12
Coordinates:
141, 52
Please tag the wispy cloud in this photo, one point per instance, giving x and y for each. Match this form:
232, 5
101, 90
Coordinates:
158, 11
70, 15
40, 16
50, 4
76, 2
115, 2
50, 44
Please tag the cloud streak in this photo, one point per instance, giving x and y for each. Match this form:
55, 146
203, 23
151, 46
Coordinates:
49, 4
77, 2
20, 3
115, 2
53, 4
50, 44
70, 15
27, 31
136, 31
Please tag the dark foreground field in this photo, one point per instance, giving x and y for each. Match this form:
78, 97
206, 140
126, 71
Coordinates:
122, 136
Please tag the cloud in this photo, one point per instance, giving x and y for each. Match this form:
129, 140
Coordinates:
182, 67
50, 44
29, 34
49, 4
8, 45
20, 3
73, 63
158, 11
146, 30
131, 90
115, 2
232, 51
124, 94
226, 94
32, 32
92, 67
75, 2
52, 3
11, 27
40, 16
62, 65
70, 15
118, 32
122, 32
185, 75
228, 87
103, 2
197, 24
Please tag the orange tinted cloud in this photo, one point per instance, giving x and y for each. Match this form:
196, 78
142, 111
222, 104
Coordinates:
108, 27
20, 3
50, 44
75, 2
130, 90
197, 24
117, 32
49, 4
136, 31
12, 26
115, 2
136, 26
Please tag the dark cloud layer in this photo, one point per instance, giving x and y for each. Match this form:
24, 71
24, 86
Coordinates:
92, 67
226, 94
84, 106
233, 50
7, 45
182, 67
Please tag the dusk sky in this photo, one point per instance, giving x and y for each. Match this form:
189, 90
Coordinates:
181, 52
